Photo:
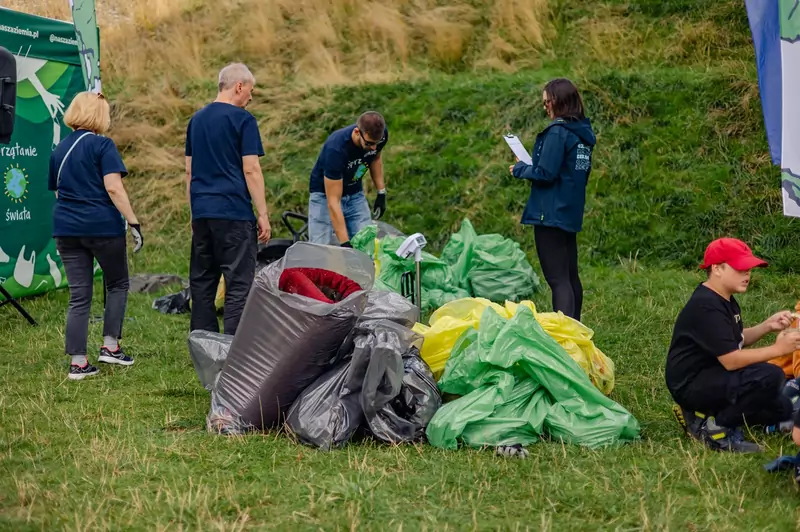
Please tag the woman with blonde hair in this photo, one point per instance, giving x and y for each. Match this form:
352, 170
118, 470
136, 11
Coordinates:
86, 172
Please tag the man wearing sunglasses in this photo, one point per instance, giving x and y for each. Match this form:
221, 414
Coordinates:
337, 206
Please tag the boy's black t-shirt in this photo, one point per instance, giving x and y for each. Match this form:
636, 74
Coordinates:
708, 327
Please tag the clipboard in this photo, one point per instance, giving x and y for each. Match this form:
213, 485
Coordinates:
518, 149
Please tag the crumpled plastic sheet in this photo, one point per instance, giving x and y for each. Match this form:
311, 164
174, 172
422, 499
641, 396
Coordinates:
208, 351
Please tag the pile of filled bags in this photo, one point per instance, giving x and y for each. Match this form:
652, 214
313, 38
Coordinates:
321, 353
515, 384
451, 321
326, 351
487, 266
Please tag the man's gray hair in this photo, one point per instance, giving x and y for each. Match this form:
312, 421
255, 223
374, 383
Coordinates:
233, 74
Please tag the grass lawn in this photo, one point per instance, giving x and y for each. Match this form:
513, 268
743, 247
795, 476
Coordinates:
128, 449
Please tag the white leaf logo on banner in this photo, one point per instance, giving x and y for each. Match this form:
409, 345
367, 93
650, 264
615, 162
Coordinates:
23, 269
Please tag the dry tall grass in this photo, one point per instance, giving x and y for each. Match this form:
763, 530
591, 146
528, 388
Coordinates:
317, 42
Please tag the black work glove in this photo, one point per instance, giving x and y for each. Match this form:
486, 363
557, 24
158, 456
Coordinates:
379, 207
138, 239
347, 245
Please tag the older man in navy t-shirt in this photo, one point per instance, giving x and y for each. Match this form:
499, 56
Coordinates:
337, 206
223, 176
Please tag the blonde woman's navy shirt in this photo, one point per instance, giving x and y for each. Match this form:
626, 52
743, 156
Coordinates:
83, 207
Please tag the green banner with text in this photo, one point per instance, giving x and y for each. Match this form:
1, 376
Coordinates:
48, 77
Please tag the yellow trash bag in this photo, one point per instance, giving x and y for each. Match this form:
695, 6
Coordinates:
446, 325
576, 339
450, 321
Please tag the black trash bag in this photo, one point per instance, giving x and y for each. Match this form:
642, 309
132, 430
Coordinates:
384, 387
391, 306
208, 351
174, 303
381, 305
399, 395
419, 397
327, 413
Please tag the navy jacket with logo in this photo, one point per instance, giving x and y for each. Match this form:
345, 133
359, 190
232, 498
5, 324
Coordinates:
562, 162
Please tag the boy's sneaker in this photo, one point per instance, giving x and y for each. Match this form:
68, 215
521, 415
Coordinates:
792, 391
77, 373
721, 438
784, 427
689, 421
115, 357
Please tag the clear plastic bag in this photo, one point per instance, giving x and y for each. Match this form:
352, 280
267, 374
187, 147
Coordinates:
208, 351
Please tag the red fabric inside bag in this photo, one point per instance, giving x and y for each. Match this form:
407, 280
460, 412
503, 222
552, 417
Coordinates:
317, 283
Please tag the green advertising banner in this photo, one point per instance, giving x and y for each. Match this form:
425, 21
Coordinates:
87, 32
48, 75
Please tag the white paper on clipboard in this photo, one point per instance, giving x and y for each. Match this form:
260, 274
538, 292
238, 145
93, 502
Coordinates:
518, 149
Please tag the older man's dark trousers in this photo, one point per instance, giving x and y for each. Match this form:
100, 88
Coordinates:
227, 248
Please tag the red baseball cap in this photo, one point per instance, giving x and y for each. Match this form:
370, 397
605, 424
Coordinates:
732, 252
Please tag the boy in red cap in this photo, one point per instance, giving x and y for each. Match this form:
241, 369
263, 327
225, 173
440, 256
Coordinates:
717, 383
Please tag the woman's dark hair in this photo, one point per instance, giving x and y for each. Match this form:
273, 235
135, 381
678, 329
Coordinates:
565, 99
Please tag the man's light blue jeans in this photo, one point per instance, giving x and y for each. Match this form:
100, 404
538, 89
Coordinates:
355, 208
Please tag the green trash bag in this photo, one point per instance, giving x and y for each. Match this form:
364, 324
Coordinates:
438, 285
490, 266
516, 384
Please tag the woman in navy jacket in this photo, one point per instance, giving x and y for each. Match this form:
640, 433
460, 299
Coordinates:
562, 161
